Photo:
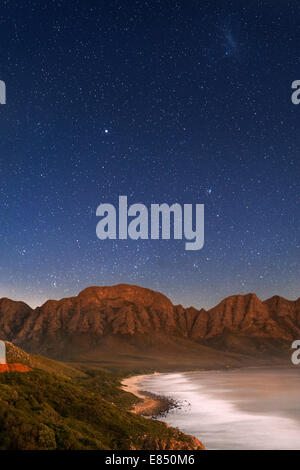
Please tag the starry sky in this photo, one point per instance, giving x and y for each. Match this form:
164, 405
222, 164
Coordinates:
162, 101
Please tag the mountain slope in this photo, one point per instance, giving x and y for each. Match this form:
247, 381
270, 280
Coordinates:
105, 321
61, 409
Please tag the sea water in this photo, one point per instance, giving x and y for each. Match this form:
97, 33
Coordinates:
236, 409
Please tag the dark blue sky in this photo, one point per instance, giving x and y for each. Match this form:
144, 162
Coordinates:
162, 101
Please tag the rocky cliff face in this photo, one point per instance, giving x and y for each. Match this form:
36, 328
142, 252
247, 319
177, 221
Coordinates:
247, 315
105, 317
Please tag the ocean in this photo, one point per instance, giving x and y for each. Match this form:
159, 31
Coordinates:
235, 409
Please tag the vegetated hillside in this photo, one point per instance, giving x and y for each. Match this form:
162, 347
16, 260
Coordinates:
123, 322
59, 408
15, 354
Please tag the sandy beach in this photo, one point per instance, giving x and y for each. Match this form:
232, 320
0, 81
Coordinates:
151, 404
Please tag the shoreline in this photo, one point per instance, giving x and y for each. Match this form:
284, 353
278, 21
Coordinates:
211, 404
152, 405
155, 406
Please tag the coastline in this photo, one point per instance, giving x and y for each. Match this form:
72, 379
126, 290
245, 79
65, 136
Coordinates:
152, 405
240, 397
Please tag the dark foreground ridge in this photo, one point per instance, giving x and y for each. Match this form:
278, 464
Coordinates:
56, 406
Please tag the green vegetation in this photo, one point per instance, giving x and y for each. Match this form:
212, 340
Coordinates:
59, 408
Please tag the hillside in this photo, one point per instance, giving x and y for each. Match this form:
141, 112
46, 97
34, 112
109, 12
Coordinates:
131, 324
66, 408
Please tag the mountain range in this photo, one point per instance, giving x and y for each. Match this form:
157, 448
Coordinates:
126, 323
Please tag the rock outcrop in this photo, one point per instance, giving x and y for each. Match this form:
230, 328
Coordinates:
14, 367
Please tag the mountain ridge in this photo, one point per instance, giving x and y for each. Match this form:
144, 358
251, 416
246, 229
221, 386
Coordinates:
127, 319
275, 296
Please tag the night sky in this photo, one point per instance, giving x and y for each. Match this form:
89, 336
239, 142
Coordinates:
162, 101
